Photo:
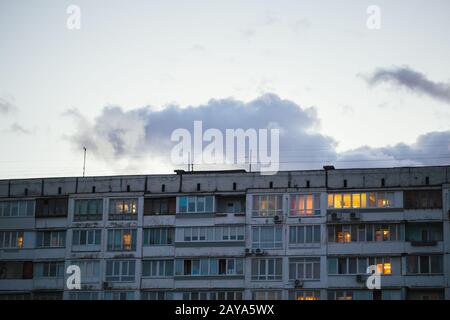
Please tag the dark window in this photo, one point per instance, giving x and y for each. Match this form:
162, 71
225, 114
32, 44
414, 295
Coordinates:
159, 206
345, 183
28, 270
234, 185
383, 182
308, 183
51, 207
16, 270
427, 180
128, 188
59, 190
271, 185
222, 266
187, 267
163, 188
198, 186
25, 191
93, 189
423, 199
377, 295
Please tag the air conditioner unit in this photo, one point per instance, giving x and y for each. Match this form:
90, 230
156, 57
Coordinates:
259, 252
354, 215
106, 285
277, 219
298, 283
248, 251
335, 216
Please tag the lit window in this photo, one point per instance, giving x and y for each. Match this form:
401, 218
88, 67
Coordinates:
127, 240
372, 199
347, 237
330, 201
363, 200
347, 200
338, 201
387, 268
379, 268
20, 241
385, 234
356, 200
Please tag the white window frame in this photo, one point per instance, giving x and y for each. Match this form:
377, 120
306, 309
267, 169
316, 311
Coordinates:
274, 243
122, 270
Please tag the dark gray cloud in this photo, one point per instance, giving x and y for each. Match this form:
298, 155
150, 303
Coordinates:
17, 128
6, 107
130, 134
412, 80
432, 148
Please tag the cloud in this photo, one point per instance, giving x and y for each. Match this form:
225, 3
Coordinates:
6, 107
432, 148
118, 134
412, 80
17, 128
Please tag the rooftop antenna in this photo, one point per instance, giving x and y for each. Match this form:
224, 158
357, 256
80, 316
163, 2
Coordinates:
189, 161
84, 161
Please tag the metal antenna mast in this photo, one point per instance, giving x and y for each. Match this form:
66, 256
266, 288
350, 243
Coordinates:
84, 161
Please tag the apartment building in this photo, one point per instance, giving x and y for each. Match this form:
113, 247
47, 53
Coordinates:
298, 235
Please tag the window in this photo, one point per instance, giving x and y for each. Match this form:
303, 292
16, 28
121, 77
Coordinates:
157, 268
16, 270
266, 295
159, 206
90, 270
84, 295
11, 239
88, 238
88, 210
304, 204
48, 295
16, 208
304, 295
51, 239
123, 209
15, 296
119, 295
267, 205
51, 207
361, 200
210, 234
49, 269
267, 237
196, 204
156, 295
122, 240
304, 268
212, 295
353, 265
432, 264
158, 236
424, 232
423, 199
305, 234
209, 266
266, 269
120, 270
349, 295
346, 233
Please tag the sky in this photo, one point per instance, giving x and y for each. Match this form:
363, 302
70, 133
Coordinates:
340, 92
